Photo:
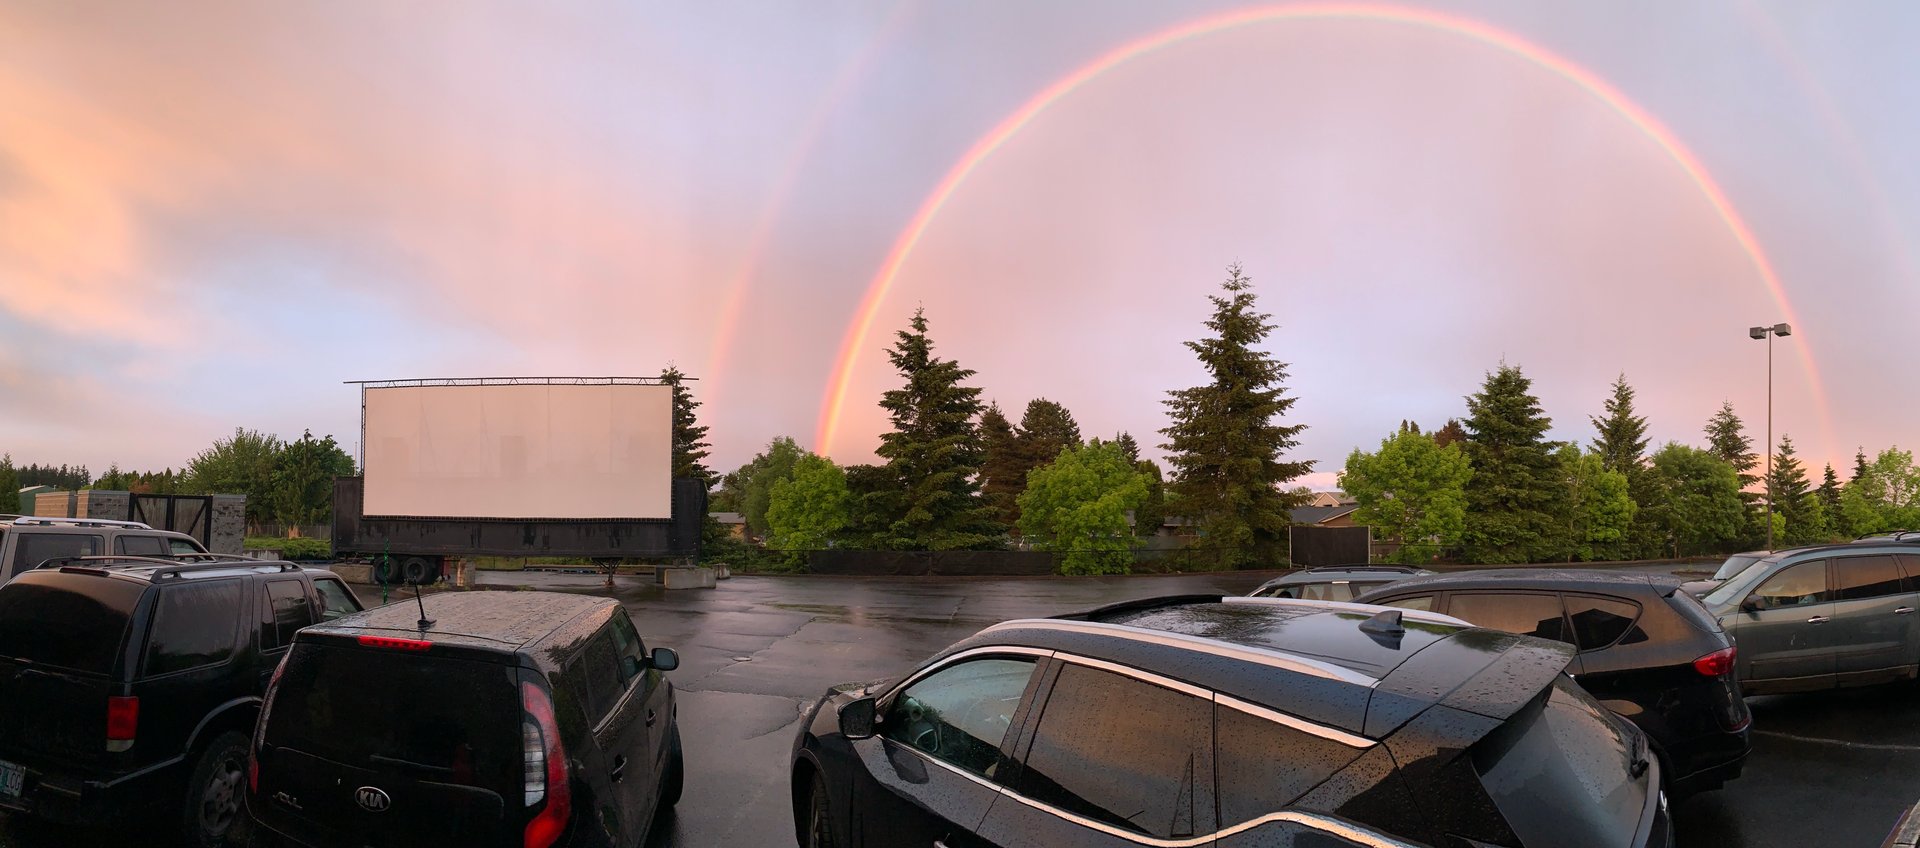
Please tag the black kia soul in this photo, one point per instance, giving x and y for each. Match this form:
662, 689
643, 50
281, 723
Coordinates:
1236, 722
524, 719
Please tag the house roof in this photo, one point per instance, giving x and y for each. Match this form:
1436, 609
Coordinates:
1319, 514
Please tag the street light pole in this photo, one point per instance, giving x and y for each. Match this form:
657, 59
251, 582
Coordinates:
1768, 333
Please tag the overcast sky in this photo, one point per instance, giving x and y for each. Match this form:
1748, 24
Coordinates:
212, 214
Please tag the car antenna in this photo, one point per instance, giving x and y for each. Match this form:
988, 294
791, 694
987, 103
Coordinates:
425, 622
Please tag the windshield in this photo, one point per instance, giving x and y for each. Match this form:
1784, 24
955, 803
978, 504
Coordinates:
1734, 565
1561, 771
1736, 588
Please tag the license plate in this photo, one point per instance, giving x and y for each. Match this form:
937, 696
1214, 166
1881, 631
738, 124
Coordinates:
11, 778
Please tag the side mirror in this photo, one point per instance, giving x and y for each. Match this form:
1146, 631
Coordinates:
664, 659
1753, 603
857, 719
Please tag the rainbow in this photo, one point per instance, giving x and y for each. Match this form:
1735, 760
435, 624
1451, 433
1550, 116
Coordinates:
861, 323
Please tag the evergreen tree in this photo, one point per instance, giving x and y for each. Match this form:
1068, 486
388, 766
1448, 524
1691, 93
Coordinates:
1046, 429
933, 453
1829, 493
1793, 498
1859, 464
1727, 440
1128, 447
1515, 493
689, 435
1002, 474
10, 486
1451, 434
1226, 441
1622, 444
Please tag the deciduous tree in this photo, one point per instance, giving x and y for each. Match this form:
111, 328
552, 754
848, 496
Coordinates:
809, 509
242, 464
1885, 496
1598, 510
1696, 500
1078, 505
1515, 494
303, 472
750, 487
1413, 490
1227, 438
1451, 434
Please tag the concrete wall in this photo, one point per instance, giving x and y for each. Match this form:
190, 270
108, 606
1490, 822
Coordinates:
229, 530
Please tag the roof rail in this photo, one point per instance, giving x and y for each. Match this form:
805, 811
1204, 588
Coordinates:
79, 522
1385, 569
167, 566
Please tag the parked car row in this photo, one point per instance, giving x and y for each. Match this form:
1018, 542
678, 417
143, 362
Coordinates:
240, 700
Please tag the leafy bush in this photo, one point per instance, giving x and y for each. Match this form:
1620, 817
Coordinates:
293, 548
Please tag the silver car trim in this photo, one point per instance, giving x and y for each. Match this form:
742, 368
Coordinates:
1300, 724
1349, 606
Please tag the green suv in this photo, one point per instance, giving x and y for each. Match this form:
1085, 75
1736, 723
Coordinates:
1825, 616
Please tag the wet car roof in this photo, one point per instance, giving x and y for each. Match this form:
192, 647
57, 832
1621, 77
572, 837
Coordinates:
1331, 636
1559, 579
506, 619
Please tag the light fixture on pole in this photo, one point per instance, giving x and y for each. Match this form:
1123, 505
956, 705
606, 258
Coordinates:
1768, 333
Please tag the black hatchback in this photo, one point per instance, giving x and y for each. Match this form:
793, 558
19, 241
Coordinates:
524, 719
1236, 722
1647, 650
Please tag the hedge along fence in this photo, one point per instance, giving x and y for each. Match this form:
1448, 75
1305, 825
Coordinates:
1013, 563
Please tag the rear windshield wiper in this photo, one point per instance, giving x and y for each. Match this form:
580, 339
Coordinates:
409, 764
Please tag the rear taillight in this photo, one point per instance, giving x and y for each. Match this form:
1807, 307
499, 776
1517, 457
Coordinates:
123, 719
394, 644
1717, 663
545, 766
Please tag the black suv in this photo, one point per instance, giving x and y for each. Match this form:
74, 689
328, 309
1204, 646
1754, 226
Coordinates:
1237, 722
1647, 650
524, 719
129, 684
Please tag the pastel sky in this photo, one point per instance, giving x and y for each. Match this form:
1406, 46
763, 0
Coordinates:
214, 213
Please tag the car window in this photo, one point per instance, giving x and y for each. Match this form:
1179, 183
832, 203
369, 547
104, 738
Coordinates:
1600, 622
628, 647
31, 549
283, 612
1866, 577
1910, 567
140, 546
1795, 586
193, 625
599, 668
1526, 613
335, 600
1416, 602
1329, 591
1264, 765
960, 714
1733, 566
71, 621
1125, 753
184, 546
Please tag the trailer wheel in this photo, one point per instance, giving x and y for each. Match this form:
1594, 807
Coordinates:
419, 570
385, 570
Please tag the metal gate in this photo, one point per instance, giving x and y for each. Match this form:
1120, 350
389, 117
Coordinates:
1316, 546
189, 514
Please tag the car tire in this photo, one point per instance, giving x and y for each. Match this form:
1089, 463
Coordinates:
675, 781
819, 817
417, 570
215, 814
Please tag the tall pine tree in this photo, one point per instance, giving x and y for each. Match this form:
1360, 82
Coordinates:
1859, 465
933, 453
689, 435
1829, 493
1046, 429
1451, 434
1226, 440
1514, 495
1727, 439
1002, 474
1622, 444
1793, 497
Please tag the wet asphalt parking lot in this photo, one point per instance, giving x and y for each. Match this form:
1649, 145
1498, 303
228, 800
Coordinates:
1832, 770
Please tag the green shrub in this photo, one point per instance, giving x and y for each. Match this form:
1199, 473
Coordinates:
292, 548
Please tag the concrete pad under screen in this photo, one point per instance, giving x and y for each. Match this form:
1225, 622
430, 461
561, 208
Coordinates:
520, 451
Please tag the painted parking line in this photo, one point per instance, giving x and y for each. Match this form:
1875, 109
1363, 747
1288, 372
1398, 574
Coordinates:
1868, 746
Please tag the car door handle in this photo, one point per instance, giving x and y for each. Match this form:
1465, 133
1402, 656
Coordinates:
1903, 611
619, 768
1818, 619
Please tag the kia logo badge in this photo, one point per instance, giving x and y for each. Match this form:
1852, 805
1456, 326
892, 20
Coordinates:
373, 799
